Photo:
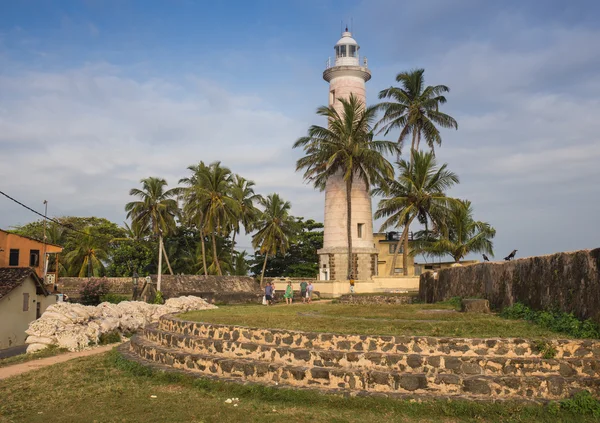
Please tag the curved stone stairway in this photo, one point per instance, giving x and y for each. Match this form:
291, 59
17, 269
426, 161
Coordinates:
488, 369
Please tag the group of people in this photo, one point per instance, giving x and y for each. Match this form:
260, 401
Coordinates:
306, 291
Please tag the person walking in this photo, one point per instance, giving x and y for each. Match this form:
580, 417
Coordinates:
289, 293
309, 291
269, 293
303, 286
352, 286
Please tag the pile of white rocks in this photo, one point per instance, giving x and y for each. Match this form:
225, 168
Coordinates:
76, 327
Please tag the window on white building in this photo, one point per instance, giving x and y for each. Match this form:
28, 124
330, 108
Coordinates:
360, 228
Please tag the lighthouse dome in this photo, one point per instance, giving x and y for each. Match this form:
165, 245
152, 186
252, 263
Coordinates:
346, 50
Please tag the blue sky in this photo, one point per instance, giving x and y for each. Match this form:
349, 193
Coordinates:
95, 95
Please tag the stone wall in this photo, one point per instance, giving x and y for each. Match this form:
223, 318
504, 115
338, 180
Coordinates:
375, 299
222, 289
569, 281
422, 367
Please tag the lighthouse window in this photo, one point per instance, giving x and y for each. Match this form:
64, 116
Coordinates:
352, 51
331, 96
360, 227
337, 51
343, 51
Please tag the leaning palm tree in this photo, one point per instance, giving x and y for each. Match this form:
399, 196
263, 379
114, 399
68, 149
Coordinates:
414, 110
275, 228
417, 193
460, 235
346, 149
88, 254
156, 210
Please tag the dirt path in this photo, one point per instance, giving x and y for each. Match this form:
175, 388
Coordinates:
17, 369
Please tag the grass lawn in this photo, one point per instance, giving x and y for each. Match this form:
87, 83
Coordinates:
106, 388
411, 319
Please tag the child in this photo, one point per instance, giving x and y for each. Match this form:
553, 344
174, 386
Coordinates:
289, 293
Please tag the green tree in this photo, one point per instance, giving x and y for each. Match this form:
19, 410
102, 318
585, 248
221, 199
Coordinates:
88, 254
156, 210
275, 227
242, 190
240, 263
209, 198
419, 191
128, 257
414, 110
346, 148
459, 236
301, 259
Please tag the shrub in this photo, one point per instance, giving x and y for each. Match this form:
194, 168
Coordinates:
554, 320
114, 298
582, 403
158, 299
91, 291
109, 338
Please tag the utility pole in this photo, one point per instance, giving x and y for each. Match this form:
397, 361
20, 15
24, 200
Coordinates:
44, 255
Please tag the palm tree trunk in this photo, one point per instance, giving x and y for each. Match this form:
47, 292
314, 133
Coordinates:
215, 256
167, 260
349, 225
90, 266
398, 244
262, 274
405, 252
203, 252
159, 276
232, 245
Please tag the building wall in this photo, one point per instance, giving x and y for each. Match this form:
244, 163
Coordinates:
10, 241
384, 264
13, 320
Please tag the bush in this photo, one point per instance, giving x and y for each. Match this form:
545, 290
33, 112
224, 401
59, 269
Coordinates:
114, 298
158, 299
582, 403
91, 291
554, 320
109, 338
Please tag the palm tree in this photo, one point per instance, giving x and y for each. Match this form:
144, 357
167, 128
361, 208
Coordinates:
210, 194
417, 193
275, 227
193, 205
243, 192
414, 110
87, 254
156, 210
346, 148
460, 235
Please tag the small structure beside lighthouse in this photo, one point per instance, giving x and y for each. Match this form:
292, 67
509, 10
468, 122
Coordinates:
347, 76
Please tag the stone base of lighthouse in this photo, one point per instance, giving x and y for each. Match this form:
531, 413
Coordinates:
333, 263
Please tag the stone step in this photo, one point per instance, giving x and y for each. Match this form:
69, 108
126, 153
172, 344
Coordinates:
407, 363
358, 380
492, 347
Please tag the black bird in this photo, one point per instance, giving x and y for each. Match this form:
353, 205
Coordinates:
485, 258
511, 255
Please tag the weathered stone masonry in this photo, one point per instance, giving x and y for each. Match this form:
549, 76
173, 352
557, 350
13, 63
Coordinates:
422, 366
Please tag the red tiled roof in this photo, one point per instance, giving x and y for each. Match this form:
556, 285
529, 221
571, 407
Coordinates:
11, 277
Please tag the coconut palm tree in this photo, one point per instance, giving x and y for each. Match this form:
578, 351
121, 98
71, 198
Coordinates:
157, 210
414, 110
346, 148
211, 189
243, 192
193, 205
417, 193
87, 254
459, 236
275, 228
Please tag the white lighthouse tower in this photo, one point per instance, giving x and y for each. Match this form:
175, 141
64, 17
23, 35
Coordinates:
346, 77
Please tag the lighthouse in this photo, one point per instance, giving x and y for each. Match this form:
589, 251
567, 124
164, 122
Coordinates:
346, 76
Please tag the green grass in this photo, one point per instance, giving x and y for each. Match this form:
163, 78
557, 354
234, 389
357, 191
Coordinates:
412, 319
23, 358
107, 388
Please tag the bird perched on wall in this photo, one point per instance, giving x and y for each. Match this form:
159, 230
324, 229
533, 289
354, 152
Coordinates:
511, 255
485, 258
